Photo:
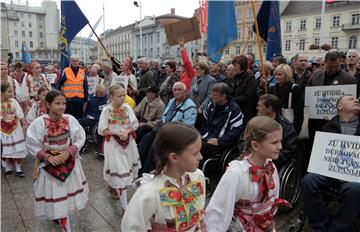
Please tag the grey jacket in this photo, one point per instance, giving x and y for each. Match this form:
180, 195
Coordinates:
151, 113
201, 89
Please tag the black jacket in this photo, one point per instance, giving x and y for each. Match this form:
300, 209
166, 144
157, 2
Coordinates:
223, 122
288, 142
333, 126
297, 102
243, 88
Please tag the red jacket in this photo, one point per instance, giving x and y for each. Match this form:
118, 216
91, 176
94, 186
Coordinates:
189, 73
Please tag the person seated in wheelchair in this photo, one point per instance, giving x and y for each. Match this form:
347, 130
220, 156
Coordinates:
223, 122
93, 109
149, 112
269, 105
347, 121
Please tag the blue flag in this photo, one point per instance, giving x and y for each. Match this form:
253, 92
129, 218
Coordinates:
72, 21
25, 54
222, 28
268, 19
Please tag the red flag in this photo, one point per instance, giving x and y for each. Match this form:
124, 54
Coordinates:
203, 14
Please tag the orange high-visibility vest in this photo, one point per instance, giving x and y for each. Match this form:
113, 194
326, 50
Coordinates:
74, 86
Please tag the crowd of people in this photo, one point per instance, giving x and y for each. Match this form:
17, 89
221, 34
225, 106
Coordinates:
159, 121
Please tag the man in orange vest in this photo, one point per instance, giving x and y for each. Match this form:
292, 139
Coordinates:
74, 84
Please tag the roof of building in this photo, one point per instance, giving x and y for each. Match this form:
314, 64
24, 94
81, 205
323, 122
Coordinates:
309, 7
25, 8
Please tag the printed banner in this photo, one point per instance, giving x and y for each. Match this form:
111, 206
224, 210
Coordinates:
322, 99
336, 156
51, 77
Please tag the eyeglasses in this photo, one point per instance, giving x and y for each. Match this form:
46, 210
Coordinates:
178, 89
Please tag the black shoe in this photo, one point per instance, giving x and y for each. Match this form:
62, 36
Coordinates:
56, 221
20, 173
8, 173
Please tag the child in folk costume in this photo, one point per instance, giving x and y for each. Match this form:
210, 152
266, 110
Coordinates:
55, 139
174, 198
38, 108
13, 147
24, 88
251, 185
118, 124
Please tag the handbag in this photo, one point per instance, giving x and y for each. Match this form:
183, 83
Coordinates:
289, 115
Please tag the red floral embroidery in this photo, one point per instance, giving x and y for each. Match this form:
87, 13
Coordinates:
263, 176
56, 128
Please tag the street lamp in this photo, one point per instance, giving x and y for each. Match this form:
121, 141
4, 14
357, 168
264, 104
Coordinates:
138, 4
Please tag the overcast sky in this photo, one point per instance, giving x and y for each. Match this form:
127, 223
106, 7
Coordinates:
123, 12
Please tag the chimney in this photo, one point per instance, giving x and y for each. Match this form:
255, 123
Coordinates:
172, 10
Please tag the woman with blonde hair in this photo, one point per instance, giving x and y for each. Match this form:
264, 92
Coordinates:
289, 94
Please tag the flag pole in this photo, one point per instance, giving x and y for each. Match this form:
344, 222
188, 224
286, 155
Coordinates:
259, 44
98, 38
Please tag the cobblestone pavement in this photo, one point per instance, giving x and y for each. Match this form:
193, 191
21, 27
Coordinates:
101, 213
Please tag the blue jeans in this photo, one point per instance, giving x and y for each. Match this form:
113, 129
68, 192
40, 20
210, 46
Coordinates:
315, 207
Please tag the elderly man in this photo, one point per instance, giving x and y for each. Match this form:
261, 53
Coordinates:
109, 74
230, 71
180, 108
147, 78
269, 105
149, 112
352, 59
215, 72
347, 121
223, 122
74, 84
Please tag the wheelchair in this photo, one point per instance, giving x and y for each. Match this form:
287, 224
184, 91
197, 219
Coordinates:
92, 137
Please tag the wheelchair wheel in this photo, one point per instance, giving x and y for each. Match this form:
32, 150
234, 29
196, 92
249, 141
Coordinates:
290, 183
95, 135
229, 156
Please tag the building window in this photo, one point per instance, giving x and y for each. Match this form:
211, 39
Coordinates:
238, 14
250, 31
334, 42
287, 45
158, 51
250, 13
303, 24
30, 25
355, 19
238, 49
15, 33
227, 51
352, 41
249, 49
22, 15
23, 33
145, 39
151, 39
31, 44
15, 24
41, 44
16, 43
317, 41
22, 24
30, 34
158, 37
239, 33
29, 16
17, 55
336, 21
40, 25
288, 26
40, 55
41, 35
302, 45
317, 23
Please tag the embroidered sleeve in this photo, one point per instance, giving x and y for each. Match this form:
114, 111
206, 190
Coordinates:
42, 155
35, 136
18, 110
103, 121
77, 134
73, 149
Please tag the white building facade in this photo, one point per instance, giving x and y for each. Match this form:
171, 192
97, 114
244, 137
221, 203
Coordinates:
81, 47
301, 25
37, 27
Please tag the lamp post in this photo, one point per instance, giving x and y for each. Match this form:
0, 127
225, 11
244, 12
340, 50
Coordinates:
138, 4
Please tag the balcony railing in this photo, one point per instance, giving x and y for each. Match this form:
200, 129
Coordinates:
350, 26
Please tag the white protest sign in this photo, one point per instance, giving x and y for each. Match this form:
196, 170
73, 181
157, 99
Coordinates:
51, 77
336, 156
120, 79
322, 99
